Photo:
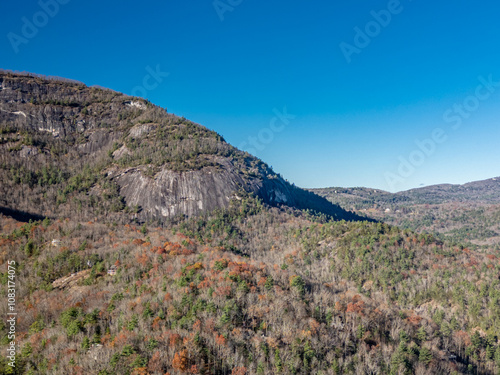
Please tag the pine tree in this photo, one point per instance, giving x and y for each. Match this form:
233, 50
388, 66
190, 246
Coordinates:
425, 356
86, 343
497, 356
489, 352
421, 334
336, 367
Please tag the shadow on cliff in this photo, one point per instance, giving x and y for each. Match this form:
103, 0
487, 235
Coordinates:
280, 192
20, 215
307, 200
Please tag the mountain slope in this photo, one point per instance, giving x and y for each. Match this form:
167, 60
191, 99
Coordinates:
248, 290
251, 287
72, 150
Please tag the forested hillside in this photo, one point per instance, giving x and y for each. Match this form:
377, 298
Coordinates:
468, 213
250, 290
145, 244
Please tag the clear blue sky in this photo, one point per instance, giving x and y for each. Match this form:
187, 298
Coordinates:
354, 123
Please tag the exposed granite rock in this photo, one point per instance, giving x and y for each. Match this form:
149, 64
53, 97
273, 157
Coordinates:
74, 125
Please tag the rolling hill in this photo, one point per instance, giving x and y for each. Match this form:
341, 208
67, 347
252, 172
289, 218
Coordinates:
468, 213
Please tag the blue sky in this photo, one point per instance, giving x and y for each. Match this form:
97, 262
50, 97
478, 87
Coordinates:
275, 79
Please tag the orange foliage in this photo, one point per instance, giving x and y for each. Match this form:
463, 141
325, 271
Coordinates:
204, 284
140, 371
314, 325
174, 339
239, 371
197, 325
355, 307
121, 339
156, 323
105, 339
414, 319
180, 361
261, 281
142, 259
220, 340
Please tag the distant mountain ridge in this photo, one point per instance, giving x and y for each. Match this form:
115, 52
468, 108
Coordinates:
468, 212
484, 191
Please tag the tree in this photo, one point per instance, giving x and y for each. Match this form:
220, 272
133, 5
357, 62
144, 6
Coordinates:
180, 361
421, 334
425, 356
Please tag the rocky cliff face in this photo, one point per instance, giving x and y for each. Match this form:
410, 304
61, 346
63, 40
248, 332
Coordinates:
68, 149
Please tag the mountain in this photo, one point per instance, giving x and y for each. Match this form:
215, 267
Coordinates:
464, 213
135, 242
72, 150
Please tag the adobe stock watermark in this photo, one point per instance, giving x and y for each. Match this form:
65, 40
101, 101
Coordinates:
150, 81
223, 6
455, 116
372, 29
48, 9
266, 135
